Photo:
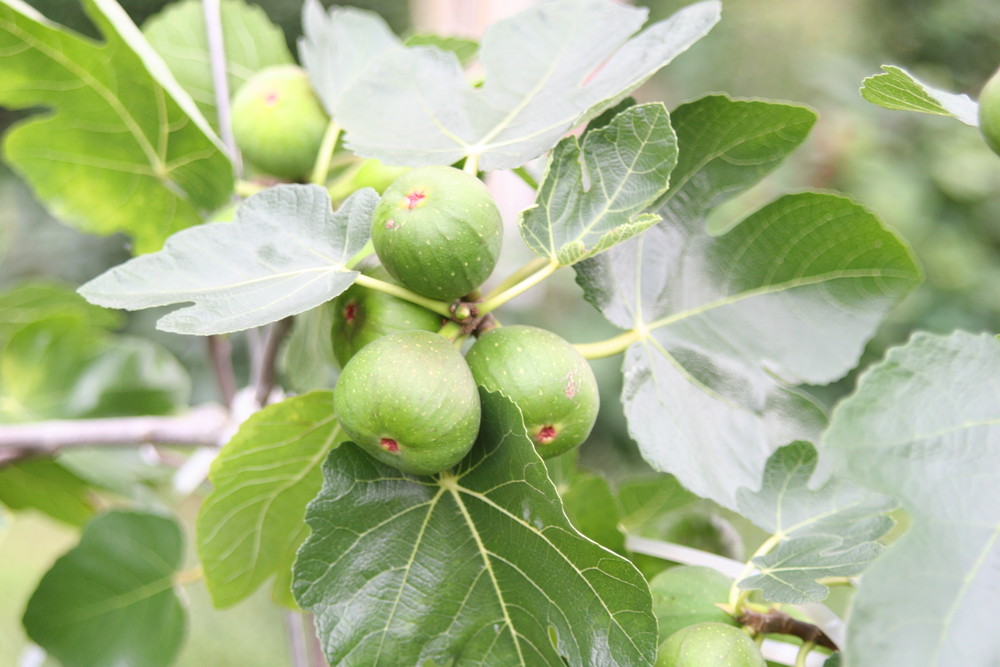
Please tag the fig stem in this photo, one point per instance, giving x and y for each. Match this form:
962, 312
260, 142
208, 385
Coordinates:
439, 307
523, 174
609, 347
737, 596
325, 155
531, 267
804, 650
472, 165
366, 251
499, 297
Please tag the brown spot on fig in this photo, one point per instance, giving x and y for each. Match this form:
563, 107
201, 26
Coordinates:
271, 98
389, 444
546, 435
350, 312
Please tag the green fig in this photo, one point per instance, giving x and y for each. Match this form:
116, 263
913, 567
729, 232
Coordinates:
709, 645
362, 315
686, 595
278, 122
549, 381
989, 112
409, 400
369, 174
438, 231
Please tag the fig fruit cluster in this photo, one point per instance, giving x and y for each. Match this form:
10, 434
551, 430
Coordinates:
408, 396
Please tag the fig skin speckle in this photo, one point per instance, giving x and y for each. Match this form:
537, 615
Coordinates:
415, 389
531, 366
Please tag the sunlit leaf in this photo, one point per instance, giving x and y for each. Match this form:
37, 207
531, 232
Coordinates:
285, 253
252, 523
727, 325
110, 600
830, 531
594, 193
547, 69
125, 149
251, 43
476, 565
924, 427
898, 89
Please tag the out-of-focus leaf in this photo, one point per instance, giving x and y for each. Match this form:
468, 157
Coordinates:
831, 531
924, 427
46, 486
252, 523
594, 194
251, 42
725, 325
592, 510
30, 302
286, 253
547, 69
646, 501
110, 600
898, 89
464, 49
58, 368
126, 149
307, 361
473, 566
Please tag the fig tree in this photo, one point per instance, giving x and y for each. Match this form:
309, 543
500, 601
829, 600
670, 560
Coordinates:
709, 645
686, 595
362, 315
409, 400
278, 122
438, 231
989, 112
545, 377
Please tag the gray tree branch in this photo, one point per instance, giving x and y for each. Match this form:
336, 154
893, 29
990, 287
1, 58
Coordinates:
204, 425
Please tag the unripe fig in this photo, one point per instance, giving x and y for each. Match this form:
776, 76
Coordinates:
709, 645
686, 595
278, 122
409, 400
545, 377
362, 315
989, 112
438, 231
369, 174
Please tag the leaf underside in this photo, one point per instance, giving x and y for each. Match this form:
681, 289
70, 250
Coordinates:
898, 89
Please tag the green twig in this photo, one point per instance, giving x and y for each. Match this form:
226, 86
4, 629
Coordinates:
439, 307
526, 177
609, 347
528, 269
498, 298
325, 155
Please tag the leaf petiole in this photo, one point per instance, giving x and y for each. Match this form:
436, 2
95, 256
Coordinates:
439, 307
738, 597
325, 155
502, 295
609, 347
523, 174
366, 251
804, 650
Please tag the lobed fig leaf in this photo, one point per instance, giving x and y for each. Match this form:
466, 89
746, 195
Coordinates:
687, 595
362, 315
278, 122
409, 400
438, 231
709, 645
548, 380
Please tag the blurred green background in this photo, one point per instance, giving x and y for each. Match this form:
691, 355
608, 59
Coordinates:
931, 179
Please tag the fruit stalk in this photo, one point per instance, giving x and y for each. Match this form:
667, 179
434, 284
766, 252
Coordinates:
325, 155
497, 299
609, 347
439, 307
